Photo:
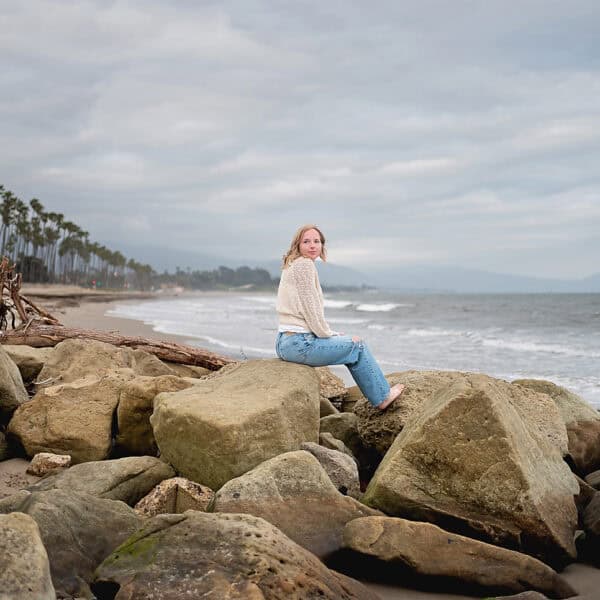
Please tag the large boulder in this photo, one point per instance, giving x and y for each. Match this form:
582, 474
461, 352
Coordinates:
135, 435
472, 460
29, 360
126, 479
379, 430
73, 359
74, 418
293, 492
424, 552
198, 555
24, 568
582, 422
231, 422
78, 530
12, 391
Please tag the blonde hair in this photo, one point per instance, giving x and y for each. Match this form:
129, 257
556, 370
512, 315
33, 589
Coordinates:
294, 252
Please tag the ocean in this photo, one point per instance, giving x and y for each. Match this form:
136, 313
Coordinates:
510, 336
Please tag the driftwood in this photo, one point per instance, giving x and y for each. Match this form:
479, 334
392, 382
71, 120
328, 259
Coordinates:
40, 329
42, 335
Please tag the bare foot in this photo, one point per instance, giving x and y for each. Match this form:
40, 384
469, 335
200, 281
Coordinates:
395, 391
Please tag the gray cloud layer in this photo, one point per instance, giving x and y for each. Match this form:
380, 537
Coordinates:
436, 132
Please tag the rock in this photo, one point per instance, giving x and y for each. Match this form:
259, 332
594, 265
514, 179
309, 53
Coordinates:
591, 516
473, 462
326, 408
29, 360
78, 530
127, 479
344, 427
4, 449
228, 423
380, 430
586, 493
74, 418
73, 359
340, 467
582, 422
593, 479
44, 462
353, 395
330, 386
524, 596
187, 370
197, 555
412, 550
328, 441
175, 496
135, 435
24, 568
12, 391
293, 492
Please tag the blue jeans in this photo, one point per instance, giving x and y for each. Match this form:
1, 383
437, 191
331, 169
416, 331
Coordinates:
308, 349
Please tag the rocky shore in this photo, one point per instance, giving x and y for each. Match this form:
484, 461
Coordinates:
273, 480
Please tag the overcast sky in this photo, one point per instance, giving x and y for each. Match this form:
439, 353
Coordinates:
463, 133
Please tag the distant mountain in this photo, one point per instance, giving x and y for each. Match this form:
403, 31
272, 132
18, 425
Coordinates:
422, 278
462, 280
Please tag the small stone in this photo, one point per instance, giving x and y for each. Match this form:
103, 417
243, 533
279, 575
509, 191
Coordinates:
44, 462
175, 496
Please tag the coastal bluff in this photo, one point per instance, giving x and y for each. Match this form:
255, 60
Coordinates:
271, 480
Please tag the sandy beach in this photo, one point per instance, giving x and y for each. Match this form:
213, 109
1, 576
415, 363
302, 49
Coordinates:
74, 310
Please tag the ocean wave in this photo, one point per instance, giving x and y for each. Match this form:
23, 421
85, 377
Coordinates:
376, 326
377, 307
348, 321
328, 303
528, 346
270, 300
436, 332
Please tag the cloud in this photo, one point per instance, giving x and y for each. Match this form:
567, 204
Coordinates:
450, 132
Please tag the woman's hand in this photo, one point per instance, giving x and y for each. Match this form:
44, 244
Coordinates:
355, 338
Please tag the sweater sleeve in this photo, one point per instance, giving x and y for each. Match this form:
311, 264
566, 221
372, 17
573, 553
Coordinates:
305, 274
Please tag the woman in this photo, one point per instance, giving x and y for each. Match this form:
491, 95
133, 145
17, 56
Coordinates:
304, 335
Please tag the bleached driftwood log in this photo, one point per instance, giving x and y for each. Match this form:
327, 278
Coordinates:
42, 335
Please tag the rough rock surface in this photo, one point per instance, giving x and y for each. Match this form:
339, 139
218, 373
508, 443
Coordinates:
12, 391
340, 467
330, 385
135, 435
471, 462
44, 462
175, 496
424, 550
228, 423
187, 370
293, 492
74, 418
593, 479
73, 359
326, 408
24, 568
344, 427
78, 530
328, 441
126, 479
197, 555
380, 430
29, 360
581, 419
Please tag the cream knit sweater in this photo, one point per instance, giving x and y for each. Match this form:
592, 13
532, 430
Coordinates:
300, 298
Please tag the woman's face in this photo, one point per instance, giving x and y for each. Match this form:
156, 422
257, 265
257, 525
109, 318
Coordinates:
310, 244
